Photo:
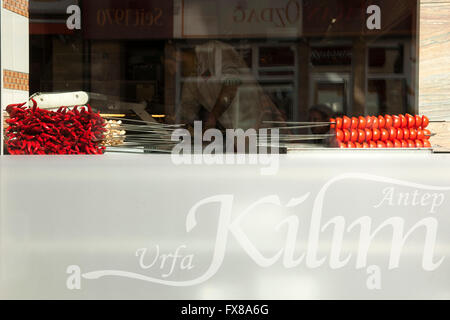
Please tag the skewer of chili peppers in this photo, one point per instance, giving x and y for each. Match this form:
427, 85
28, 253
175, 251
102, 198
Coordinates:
35, 131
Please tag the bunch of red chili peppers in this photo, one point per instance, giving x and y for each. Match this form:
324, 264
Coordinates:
35, 131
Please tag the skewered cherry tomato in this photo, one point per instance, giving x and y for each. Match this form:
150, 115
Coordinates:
418, 120
342, 145
375, 124
351, 145
381, 144
420, 134
404, 144
365, 145
426, 144
346, 135
381, 122
411, 144
389, 144
354, 135
346, 122
425, 122
397, 122
355, 123
400, 134
332, 123
361, 136
426, 134
389, 121
358, 145
413, 133
384, 135
392, 134
397, 144
373, 144
376, 135
338, 123
405, 133
368, 134
369, 122
404, 121
339, 135
411, 121
362, 123
419, 144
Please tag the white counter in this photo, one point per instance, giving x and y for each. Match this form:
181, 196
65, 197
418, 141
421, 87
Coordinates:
113, 221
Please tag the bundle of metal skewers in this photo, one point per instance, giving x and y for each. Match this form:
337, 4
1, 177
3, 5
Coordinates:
131, 136
80, 130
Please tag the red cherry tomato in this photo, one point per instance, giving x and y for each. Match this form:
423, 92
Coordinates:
369, 122
392, 134
346, 122
418, 120
332, 123
358, 145
420, 134
361, 136
389, 121
381, 144
355, 123
373, 144
381, 122
425, 122
404, 144
400, 134
346, 135
354, 135
397, 122
338, 123
426, 134
404, 121
413, 133
376, 134
419, 144
362, 123
411, 121
365, 145
375, 124
368, 134
405, 133
397, 144
384, 135
351, 145
411, 144
426, 144
342, 145
389, 144
339, 135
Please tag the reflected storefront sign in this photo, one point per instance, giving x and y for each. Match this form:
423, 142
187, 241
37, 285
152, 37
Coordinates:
139, 19
238, 19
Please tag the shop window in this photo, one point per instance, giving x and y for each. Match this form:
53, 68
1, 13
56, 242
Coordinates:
172, 58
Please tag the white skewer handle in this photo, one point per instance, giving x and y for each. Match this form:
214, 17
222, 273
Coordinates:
56, 100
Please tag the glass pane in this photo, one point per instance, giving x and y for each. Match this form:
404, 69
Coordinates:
241, 63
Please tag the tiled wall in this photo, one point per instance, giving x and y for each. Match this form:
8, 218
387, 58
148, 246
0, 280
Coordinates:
17, 6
